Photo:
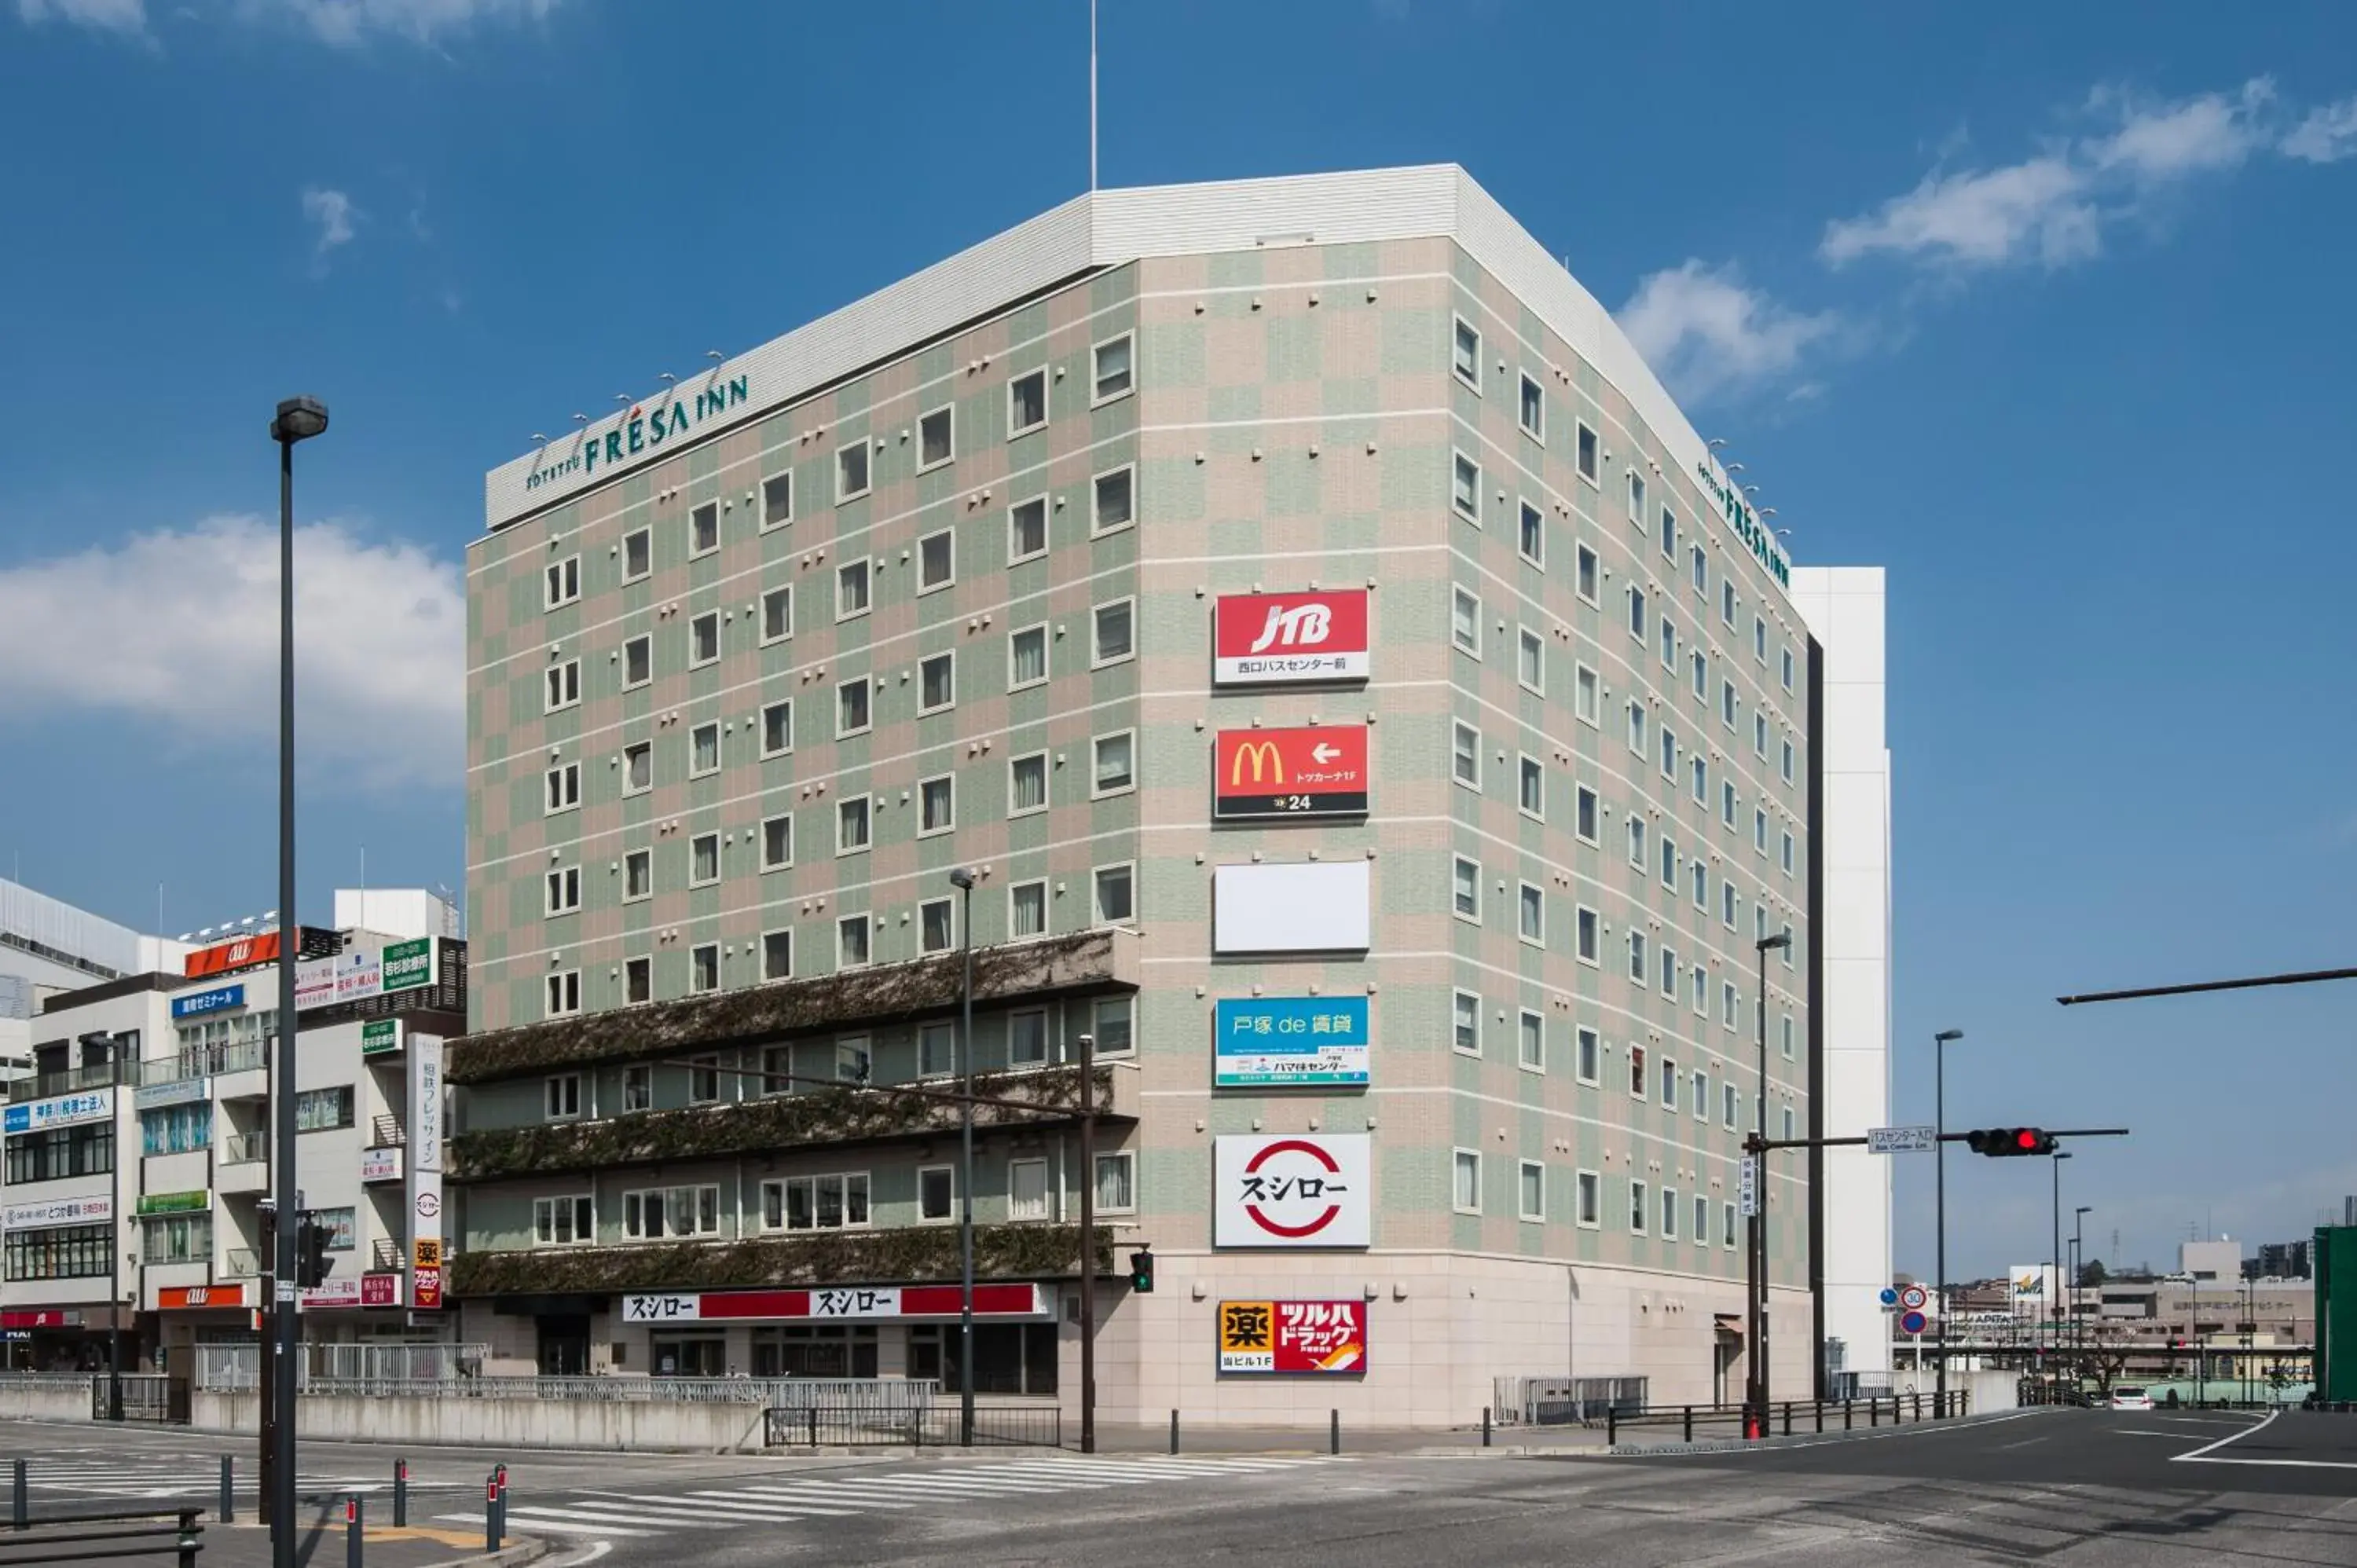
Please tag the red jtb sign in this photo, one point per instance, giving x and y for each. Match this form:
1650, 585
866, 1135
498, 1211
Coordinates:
1260, 774
1274, 638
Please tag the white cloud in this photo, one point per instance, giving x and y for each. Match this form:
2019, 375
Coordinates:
1704, 331
2326, 136
178, 629
349, 22
128, 17
332, 211
2204, 133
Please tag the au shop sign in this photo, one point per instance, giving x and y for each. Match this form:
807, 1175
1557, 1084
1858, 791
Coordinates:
1281, 638
1292, 1190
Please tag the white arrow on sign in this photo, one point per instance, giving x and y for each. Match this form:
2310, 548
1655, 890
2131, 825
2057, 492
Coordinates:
1323, 754
1902, 1140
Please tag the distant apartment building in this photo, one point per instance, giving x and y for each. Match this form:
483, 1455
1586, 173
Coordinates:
1363, 704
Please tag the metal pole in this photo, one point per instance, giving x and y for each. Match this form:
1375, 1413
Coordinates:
114, 1253
1087, 1244
1940, 1167
228, 1489
965, 1174
1759, 1228
265, 1383
2054, 1308
282, 1055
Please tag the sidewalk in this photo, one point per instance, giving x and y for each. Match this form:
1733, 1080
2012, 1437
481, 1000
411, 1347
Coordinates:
321, 1543
1204, 1438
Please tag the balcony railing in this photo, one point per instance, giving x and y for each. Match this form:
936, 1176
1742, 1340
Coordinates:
246, 1148
204, 1061
70, 1081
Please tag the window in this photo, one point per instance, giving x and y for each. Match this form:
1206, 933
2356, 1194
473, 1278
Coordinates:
1637, 741
1637, 612
1026, 402
1637, 498
1758, 831
1117, 1183
1465, 755
1759, 640
564, 579
1531, 1042
936, 561
816, 1202
1669, 753
1115, 499
1669, 971
1586, 1065
1669, 1214
1113, 1020
851, 589
1788, 1036
1638, 1087
1636, 1207
1669, 1079
1700, 990
1113, 763
1729, 1004
563, 891
704, 1079
1534, 408
851, 826
1786, 768
704, 968
1465, 620
935, 441
1670, 537
1110, 632
1585, 454
1586, 696
1698, 1095
1027, 1189
1027, 784
1726, 904
638, 985
1787, 660
851, 707
703, 638
1668, 642
777, 727
1698, 569
851, 470
1669, 859
1726, 803
1591, 1200
1726, 1224
563, 1221
704, 750
778, 499
1584, 815
851, 934
637, 662
637, 554
1590, 943
936, 926
560, 1097
1585, 573
1699, 771
936, 1192
1026, 1038
704, 529
1532, 915
937, 805
777, 842
1700, 876
1700, 665
1109, 368
1533, 797
1787, 855
1789, 1128
1465, 487
1465, 1023
1465, 889
1531, 539
1727, 600
777, 955
1116, 895
778, 614
1026, 528
1465, 353
1529, 660
1026, 909
658, 1212
1701, 1220
936, 1050
1638, 958
936, 682
1027, 658
1531, 1185
1760, 734
564, 791
1730, 1103
1465, 1191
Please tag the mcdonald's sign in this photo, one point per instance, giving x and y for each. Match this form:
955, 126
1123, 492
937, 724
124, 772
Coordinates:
1263, 774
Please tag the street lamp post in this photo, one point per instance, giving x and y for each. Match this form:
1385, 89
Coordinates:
1940, 1179
1757, 1230
963, 880
1087, 1244
2077, 1267
2054, 1308
299, 419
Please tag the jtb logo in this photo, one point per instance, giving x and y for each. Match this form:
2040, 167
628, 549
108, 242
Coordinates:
1302, 626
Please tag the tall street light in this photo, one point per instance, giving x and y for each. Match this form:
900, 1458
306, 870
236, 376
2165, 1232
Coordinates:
2054, 1308
963, 880
1940, 1225
2078, 1263
1758, 1229
299, 419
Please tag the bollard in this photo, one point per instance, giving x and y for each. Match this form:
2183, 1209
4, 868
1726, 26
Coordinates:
809, 1416
1873, 1411
1788, 1418
491, 1514
1334, 1431
1174, 1431
1821, 1413
228, 1489
1849, 1415
1689, 1427
1611, 1426
1485, 1426
400, 1493
20, 1511
352, 1531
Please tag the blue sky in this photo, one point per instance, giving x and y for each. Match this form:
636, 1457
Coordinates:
2047, 314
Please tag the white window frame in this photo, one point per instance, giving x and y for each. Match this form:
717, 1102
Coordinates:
647, 534
1587, 1055
698, 628
787, 704
580, 1212
1529, 896
1458, 330
1669, 1224
561, 687
1098, 527
560, 1097
1524, 1170
1098, 396
1587, 696
1457, 866
696, 846
866, 810
1458, 732
1015, 890
1125, 1160
642, 641
1588, 936
1528, 1024
1459, 1162
1527, 515
637, 857
1014, 637
1466, 640
1097, 874
1527, 770
697, 515
700, 770
784, 476
1587, 575
866, 924
924, 804
767, 862
867, 700
1587, 453
1013, 810
1530, 674
866, 471
561, 584
1014, 555
557, 797
1640, 1206
924, 587
926, 465
1045, 1208
1459, 464
1098, 658
1587, 1200
561, 890
784, 595
1588, 816
924, 705
563, 994
1128, 785
948, 1177
1458, 1013
866, 575
1529, 384
948, 909
661, 1199
1039, 375
786, 935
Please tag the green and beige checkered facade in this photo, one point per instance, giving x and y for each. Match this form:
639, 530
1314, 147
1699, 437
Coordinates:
1297, 414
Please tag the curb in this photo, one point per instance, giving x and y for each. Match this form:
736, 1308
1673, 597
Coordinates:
1799, 1440
526, 1549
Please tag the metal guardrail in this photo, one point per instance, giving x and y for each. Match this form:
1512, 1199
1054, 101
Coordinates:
66, 1537
880, 1399
226, 1369
940, 1426
146, 1396
1791, 1418
1557, 1401
46, 1380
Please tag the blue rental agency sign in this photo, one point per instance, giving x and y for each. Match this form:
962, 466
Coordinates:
220, 999
1263, 1041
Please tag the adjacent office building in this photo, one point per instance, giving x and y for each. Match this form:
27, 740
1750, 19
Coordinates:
1357, 700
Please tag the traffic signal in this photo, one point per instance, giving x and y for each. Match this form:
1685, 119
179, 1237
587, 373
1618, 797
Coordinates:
1141, 1272
2005, 1141
310, 1251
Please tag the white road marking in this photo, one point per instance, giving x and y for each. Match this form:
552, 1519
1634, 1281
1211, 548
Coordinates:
553, 1526
2230, 1437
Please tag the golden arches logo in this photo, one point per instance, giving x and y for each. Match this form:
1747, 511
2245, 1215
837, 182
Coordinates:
1261, 753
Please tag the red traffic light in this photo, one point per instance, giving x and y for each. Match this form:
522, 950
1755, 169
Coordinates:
2025, 1139
2005, 1141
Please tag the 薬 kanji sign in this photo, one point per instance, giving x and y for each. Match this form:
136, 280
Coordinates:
1315, 1336
1296, 1190
1274, 774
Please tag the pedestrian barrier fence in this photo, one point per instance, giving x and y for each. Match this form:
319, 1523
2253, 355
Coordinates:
65, 1538
822, 1425
230, 1369
1564, 1401
1790, 1418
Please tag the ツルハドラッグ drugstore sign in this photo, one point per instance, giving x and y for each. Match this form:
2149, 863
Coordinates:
646, 428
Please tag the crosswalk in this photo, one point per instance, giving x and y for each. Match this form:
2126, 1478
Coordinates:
619, 1514
149, 1475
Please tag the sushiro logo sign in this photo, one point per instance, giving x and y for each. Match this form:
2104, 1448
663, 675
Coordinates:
1745, 525
643, 429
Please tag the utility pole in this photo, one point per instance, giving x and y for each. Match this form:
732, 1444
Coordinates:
1087, 1244
1940, 1225
1756, 1152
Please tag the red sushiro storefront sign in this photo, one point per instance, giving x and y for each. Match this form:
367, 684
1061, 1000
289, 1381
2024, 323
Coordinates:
846, 1303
